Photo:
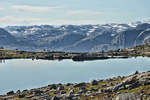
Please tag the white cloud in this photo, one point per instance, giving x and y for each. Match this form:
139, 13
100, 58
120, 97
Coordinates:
1, 9
15, 19
74, 22
28, 8
84, 12
11, 21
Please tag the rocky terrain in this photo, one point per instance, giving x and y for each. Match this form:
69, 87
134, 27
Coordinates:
133, 87
75, 38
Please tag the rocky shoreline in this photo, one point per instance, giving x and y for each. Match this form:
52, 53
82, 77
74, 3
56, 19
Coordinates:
132, 87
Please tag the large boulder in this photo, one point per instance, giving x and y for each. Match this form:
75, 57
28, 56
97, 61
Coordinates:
94, 82
11, 93
80, 85
128, 96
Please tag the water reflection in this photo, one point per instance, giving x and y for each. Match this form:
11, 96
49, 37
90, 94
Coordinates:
2, 60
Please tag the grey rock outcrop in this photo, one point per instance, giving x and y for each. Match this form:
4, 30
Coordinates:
128, 96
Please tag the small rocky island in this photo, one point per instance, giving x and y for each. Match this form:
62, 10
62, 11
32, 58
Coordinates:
142, 50
133, 87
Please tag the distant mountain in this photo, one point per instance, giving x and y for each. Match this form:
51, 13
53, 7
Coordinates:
6, 39
133, 37
78, 38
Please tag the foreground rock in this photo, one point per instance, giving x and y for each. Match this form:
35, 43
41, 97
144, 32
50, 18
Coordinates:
133, 87
128, 96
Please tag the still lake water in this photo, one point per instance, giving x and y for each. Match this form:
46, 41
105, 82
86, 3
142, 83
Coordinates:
26, 74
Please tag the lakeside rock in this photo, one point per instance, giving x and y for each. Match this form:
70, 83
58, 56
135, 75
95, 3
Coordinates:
128, 96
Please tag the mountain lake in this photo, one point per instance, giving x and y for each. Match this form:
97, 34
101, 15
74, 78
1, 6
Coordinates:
21, 74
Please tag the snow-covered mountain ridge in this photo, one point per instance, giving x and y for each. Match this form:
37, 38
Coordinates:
78, 38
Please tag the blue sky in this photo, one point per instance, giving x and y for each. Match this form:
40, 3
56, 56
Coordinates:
58, 12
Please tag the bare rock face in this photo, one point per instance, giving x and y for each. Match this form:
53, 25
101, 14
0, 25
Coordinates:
128, 96
143, 37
